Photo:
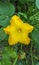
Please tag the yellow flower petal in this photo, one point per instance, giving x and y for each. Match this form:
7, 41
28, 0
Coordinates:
27, 27
16, 21
13, 39
24, 38
18, 31
9, 29
27, 41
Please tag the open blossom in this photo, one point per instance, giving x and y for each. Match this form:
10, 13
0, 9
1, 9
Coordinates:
18, 31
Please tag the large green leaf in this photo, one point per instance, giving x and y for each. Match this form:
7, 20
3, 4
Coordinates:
37, 64
6, 9
37, 4
4, 21
2, 17
35, 37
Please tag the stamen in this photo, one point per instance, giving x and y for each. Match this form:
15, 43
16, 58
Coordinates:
19, 30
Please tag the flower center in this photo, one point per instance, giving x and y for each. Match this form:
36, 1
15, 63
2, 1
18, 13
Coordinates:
19, 30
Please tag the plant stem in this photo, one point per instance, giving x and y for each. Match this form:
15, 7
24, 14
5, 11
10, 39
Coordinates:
21, 46
31, 53
15, 61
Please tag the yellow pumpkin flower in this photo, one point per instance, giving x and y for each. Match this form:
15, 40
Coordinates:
18, 31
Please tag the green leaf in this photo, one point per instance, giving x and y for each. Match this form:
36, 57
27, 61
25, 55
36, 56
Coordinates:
4, 21
0, 63
37, 64
2, 17
22, 14
8, 51
6, 9
37, 4
5, 60
8, 54
35, 37
23, 55
2, 34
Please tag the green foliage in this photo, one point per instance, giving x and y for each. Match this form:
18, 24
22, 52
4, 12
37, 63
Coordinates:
8, 55
23, 16
28, 10
35, 34
6, 11
35, 37
35, 16
22, 1
10, 52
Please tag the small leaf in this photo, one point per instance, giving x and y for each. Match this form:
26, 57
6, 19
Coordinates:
23, 55
22, 14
